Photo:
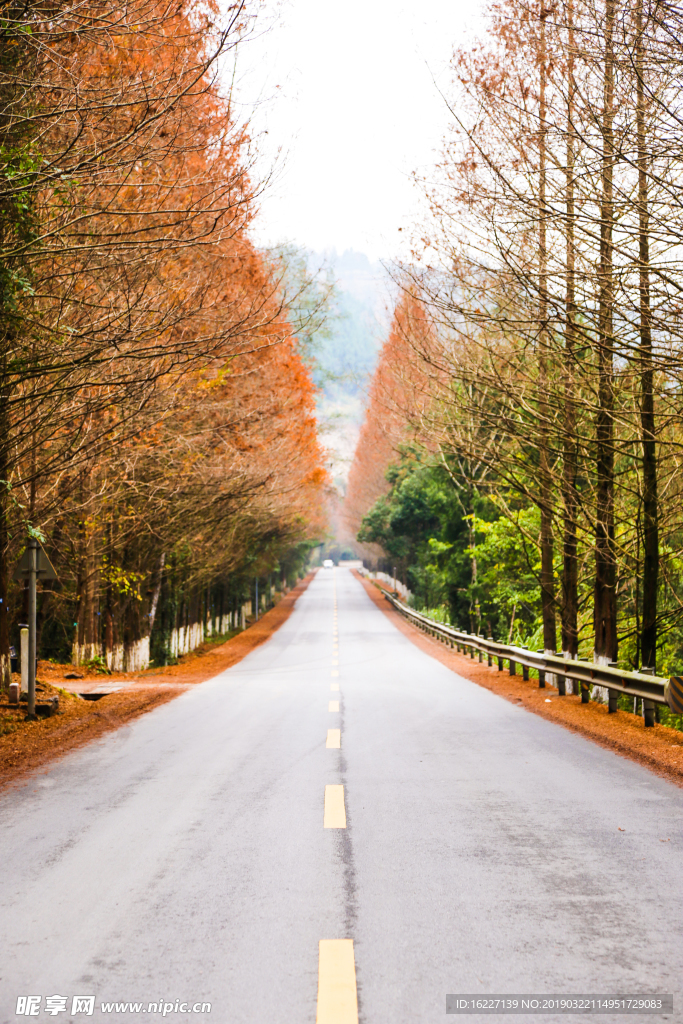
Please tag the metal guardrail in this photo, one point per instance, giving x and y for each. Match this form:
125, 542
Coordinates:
650, 689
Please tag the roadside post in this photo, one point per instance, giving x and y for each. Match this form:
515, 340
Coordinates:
23, 652
32, 564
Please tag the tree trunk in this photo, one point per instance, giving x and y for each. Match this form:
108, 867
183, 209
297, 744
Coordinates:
474, 602
87, 638
5, 666
648, 634
605, 602
157, 593
570, 577
546, 483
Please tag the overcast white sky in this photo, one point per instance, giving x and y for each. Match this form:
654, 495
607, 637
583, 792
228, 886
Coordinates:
346, 91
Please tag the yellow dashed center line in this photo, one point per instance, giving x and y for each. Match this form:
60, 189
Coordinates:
337, 997
333, 739
335, 812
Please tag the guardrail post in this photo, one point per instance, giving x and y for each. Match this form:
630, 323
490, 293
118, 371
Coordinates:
513, 670
490, 656
541, 672
561, 686
648, 705
585, 693
612, 695
472, 652
481, 653
500, 664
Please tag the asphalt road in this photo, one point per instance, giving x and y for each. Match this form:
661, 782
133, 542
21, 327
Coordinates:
184, 857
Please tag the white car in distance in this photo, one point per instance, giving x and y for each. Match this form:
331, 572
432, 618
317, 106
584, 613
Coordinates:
328, 564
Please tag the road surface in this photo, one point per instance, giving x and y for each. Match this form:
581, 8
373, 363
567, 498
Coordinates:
184, 858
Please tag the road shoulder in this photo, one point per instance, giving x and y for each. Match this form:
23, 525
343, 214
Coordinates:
28, 746
660, 749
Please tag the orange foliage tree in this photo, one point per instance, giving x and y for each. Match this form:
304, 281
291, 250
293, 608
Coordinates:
397, 403
157, 419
